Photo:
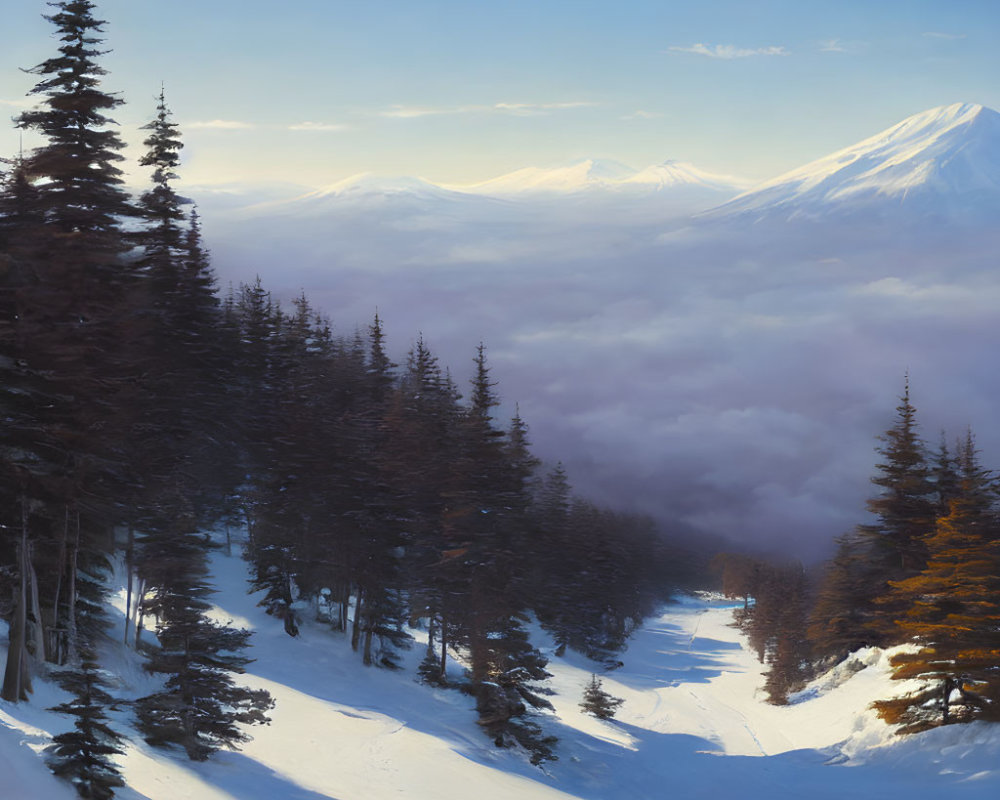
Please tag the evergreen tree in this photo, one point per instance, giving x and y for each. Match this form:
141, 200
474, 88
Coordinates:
380, 609
598, 702
905, 506
70, 314
843, 608
200, 708
944, 472
953, 612
787, 650
485, 609
421, 427
160, 206
556, 559
81, 276
84, 756
905, 512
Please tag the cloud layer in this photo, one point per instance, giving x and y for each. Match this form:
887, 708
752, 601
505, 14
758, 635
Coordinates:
730, 380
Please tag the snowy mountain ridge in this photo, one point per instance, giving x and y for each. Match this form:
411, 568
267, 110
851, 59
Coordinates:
587, 176
589, 173
680, 173
944, 160
605, 175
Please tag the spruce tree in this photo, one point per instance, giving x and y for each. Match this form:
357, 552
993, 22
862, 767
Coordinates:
904, 506
787, 650
80, 197
843, 608
70, 301
85, 755
952, 611
419, 447
487, 600
555, 564
905, 512
200, 708
598, 702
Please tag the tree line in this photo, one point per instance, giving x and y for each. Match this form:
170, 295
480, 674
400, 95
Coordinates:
924, 572
142, 409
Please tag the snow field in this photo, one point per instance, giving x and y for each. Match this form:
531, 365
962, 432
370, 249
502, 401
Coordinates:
693, 725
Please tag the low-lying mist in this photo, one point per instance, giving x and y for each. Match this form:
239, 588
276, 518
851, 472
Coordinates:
718, 374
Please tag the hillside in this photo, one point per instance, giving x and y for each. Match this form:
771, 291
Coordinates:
693, 719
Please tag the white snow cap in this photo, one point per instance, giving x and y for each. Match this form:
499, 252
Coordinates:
936, 158
680, 173
572, 177
605, 174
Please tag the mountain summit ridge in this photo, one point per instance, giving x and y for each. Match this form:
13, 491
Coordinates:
941, 162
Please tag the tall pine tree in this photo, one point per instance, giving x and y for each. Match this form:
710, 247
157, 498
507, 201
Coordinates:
952, 611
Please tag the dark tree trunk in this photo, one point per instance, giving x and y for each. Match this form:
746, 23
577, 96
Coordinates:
345, 602
16, 679
444, 651
140, 611
73, 645
129, 558
367, 657
356, 627
36, 631
946, 688
55, 653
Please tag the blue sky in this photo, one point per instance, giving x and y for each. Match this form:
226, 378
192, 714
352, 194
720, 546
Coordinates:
313, 91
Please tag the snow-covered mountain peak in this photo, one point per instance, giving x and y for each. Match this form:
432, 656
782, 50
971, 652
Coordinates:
941, 118
672, 173
589, 173
369, 183
942, 161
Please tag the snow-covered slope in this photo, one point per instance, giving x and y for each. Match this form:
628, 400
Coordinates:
944, 162
693, 725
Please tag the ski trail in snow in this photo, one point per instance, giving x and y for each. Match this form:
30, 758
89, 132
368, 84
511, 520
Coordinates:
697, 624
712, 707
753, 736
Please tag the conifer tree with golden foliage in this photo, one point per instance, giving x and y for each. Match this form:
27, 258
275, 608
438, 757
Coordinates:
953, 614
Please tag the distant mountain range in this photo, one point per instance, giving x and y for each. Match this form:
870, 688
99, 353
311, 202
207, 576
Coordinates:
940, 164
609, 176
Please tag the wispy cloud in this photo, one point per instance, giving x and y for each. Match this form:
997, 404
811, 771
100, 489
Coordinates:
832, 46
413, 112
518, 109
328, 127
729, 51
220, 125
539, 108
941, 35
643, 115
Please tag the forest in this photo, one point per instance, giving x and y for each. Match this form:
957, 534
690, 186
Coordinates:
144, 407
